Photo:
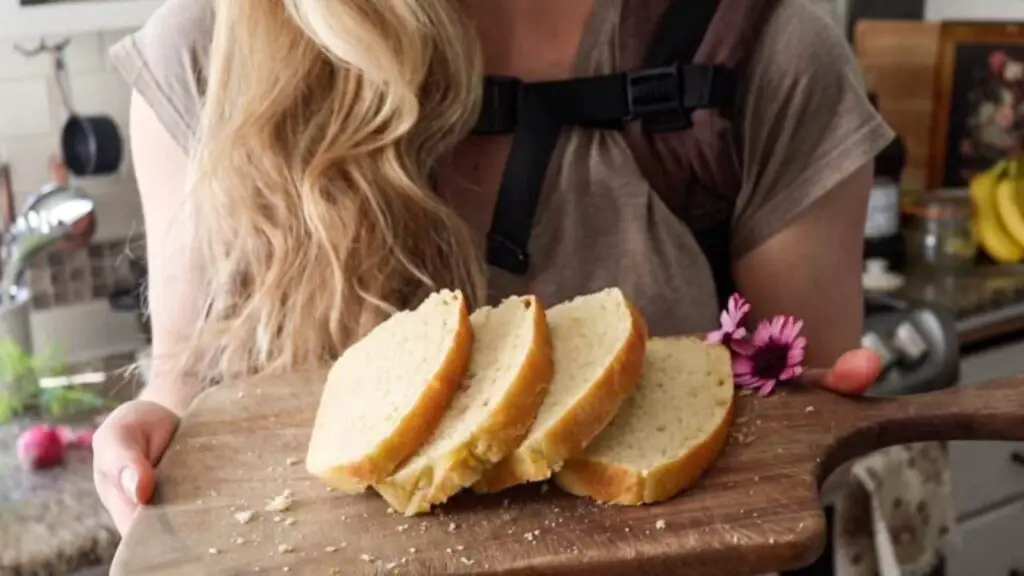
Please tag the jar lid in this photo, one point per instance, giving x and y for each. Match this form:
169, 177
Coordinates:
948, 204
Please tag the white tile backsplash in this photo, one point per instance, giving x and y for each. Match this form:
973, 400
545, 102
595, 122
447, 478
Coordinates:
31, 117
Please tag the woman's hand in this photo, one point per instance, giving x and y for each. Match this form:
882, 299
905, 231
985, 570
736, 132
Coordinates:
852, 374
126, 448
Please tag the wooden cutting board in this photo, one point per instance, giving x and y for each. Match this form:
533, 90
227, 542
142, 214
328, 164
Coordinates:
755, 511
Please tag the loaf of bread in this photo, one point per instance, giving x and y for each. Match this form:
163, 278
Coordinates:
386, 394
509, 373
599, 342
666, 434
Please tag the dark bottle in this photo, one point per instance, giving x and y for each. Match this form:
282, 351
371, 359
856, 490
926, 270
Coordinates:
882, 235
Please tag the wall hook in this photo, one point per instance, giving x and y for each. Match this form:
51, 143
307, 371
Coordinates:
43, 47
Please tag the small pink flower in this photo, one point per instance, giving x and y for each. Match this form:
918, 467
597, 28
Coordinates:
774, 354
732, 322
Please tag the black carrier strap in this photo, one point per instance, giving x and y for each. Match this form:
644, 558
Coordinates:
663, 96
669, 45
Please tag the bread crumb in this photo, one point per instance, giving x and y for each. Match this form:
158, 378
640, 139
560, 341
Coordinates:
660, 524
290, 521
460, 547
330, 549
293, 461
466, 561
278, 518
286, 569
402, 528
367, 558
390, 565
809, 409
329, 489
285, 549
452, 526
449, 551
280, 503
412, 550
214, 551
244, 516
238, 540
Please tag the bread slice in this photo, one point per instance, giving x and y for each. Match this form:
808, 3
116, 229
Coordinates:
509, 374
599, 344
666, 434
388, 391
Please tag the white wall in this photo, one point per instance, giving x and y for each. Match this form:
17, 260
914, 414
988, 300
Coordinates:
974, 10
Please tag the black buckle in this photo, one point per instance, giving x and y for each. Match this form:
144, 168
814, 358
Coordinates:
506, 255
655, 96
499, 110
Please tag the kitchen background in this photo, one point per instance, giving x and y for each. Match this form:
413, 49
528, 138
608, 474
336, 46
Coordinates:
70, 291
71, 308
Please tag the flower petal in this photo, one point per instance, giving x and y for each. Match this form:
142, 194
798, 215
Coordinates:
748, 381
715, 337
726, 321
742, 366
795, 356
739, 332
763, 334
766, 389
743, 347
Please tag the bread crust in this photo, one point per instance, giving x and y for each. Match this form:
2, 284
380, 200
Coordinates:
591, 413
416, 491
416, 428
612, 483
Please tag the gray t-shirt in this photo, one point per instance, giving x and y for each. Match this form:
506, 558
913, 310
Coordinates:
806, 125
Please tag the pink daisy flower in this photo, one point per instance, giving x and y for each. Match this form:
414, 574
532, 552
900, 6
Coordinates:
732, 322
774, 354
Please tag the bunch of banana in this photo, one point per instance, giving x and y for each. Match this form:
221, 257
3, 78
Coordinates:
998, 198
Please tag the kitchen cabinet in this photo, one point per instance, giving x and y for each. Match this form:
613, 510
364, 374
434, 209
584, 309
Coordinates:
66, 17
988, 482
990, 545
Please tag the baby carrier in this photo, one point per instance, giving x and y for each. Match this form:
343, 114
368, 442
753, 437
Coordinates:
675, 101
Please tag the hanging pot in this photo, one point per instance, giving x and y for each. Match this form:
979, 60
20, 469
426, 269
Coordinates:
91, 145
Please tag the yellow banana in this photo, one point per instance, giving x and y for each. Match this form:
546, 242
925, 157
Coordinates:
991, 234
1007, 201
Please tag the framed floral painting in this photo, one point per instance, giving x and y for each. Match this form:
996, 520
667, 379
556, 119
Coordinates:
979, 108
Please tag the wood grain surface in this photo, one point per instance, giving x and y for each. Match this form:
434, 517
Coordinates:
756, 510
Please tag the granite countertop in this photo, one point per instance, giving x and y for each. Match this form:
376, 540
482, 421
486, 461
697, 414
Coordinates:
987, 302
52, 521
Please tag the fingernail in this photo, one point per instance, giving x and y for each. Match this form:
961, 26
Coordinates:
130, 483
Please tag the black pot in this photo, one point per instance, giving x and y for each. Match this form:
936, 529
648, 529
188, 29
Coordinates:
92, 145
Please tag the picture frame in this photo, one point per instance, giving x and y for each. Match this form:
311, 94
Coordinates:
979, 100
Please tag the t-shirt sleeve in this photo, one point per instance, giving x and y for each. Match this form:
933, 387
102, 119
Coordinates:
807, 122
165, 62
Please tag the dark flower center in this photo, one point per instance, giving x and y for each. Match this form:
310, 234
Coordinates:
771, 360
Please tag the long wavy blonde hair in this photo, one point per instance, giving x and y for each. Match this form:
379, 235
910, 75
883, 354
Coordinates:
311, 199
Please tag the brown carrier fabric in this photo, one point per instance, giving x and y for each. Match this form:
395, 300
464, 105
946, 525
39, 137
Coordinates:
696, 171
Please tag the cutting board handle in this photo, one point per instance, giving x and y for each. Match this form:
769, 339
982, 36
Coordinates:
990, 411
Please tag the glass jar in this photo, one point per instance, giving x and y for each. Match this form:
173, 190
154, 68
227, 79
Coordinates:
941, 231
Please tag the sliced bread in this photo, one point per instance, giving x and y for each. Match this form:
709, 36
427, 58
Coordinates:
509, 374
598, 344
386, 394
666, 434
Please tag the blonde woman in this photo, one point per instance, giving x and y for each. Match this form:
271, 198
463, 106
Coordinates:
306, 167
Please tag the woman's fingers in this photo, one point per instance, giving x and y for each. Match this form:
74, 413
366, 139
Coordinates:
121, 470
853, 373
